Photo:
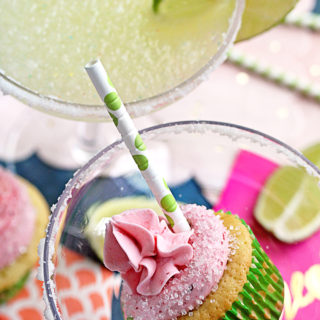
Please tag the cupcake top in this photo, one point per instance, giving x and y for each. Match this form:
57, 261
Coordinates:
192, 280
17, 218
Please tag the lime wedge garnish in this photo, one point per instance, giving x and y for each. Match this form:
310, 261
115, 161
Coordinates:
259, 15
289, 204
98, 215
156, 4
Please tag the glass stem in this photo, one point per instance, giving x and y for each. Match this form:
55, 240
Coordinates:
88, 135
88, 140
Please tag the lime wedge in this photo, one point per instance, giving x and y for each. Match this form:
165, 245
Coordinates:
313, 153
98, 215
261, 15
289, 204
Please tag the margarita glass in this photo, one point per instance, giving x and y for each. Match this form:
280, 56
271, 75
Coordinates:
77, 286
152, 58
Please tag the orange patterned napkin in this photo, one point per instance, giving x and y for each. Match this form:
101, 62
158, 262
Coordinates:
85, 289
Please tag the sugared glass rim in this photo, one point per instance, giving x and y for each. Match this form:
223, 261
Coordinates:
75, 111
195, 125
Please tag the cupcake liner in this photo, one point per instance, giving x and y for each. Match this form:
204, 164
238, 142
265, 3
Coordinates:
262, 295
9, 293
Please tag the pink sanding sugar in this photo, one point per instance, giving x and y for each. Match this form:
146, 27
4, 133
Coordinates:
17, 218
187, 290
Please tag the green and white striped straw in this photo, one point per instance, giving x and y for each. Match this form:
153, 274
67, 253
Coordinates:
136, 146
307, 20
274, 74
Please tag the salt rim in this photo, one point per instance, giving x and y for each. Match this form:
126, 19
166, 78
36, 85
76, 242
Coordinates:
57, 107
46, 246
231, 131
236, 133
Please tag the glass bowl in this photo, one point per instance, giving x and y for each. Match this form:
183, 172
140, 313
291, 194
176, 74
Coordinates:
50, 103
219, 165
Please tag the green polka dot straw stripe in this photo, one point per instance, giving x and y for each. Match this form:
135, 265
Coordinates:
136, 146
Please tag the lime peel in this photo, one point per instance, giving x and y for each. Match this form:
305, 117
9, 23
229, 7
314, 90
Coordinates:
99, 214
155, 5
262, 15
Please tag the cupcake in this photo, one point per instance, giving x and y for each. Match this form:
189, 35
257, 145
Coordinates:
215, 271
23, 219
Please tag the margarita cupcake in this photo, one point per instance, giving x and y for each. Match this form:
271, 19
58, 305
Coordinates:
23, 218
216, 271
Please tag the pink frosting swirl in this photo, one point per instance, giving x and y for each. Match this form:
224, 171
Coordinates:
144, 250
17, 218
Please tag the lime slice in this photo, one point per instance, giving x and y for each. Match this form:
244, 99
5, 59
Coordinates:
313, 153
98, 215
289, 204
261, 15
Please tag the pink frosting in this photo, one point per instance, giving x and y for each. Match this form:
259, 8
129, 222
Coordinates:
17, 218
188, 288
144, 250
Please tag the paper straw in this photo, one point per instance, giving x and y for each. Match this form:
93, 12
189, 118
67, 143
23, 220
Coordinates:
306, 20
275, 74
136, 146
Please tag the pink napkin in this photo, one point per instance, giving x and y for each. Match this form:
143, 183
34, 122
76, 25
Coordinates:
295, 261
248, 175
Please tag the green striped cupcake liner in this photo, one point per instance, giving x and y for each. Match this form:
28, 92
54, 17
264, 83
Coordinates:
9, 293
262, 295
